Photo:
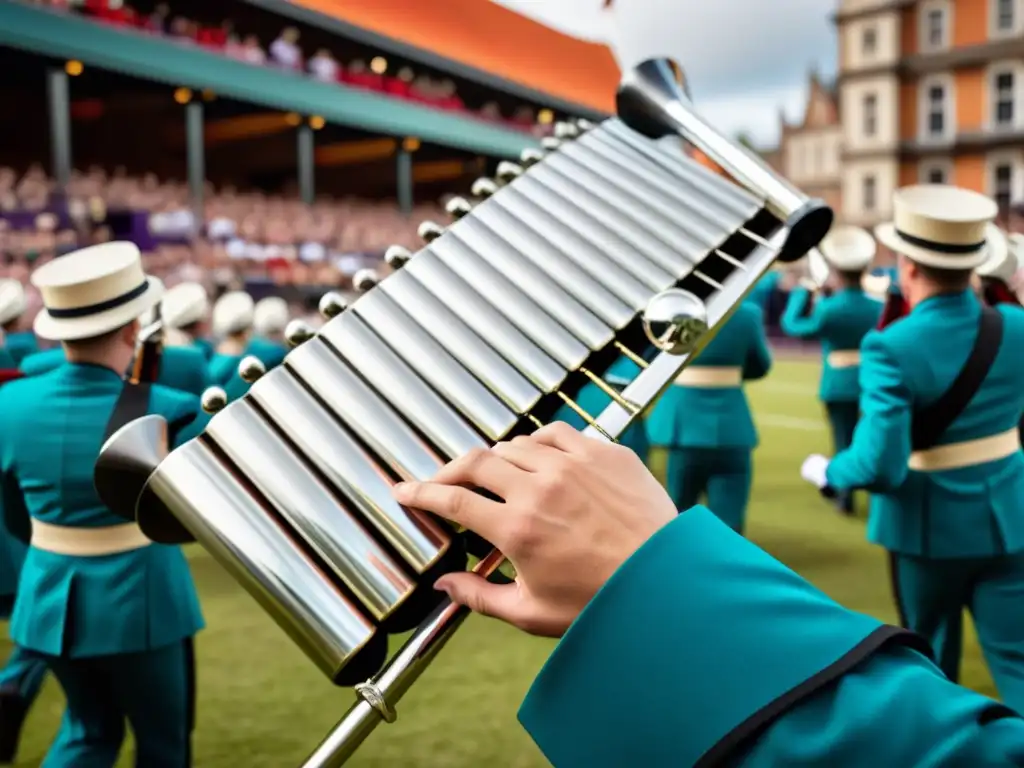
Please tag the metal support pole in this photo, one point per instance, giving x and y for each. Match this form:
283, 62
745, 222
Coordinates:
196, 157
306, 162
403, 174
60, 125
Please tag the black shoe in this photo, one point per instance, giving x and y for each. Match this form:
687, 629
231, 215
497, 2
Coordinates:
13, 709
844, 504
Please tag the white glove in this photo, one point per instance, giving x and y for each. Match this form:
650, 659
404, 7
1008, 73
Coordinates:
813, 470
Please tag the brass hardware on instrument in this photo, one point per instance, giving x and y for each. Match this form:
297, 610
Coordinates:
298, 332
565, 130
609, 390
250, 369
578, 410
675, 321
584, 125
332, 304
397, 256
508, 172
550, 143
530, 157
458, 207
633, 356
429, 231
214, 400
364, 280
484, 188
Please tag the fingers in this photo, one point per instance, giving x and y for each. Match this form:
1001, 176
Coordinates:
459, 505
499, 601
560, 435
481, 469
525, 453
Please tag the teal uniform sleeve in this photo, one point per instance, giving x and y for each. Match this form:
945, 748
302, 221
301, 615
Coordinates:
759, 356
895, 709
180, 409
7, 359
795, 323
877, 458
12, 503
692, 649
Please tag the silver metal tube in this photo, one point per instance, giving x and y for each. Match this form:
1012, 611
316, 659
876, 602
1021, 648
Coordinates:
350, 471
564, 240
363, 411
374, 578
595, 234
506, 296
399, 385
518, 270
434, 365
461, 341
518, 232
245, 539
496, 329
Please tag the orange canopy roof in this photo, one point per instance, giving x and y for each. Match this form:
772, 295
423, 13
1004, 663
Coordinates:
492, 38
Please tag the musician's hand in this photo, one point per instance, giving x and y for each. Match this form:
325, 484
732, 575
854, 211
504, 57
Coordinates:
575, 509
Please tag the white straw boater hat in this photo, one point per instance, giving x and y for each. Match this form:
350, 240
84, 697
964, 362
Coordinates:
1002, 259
270, 316
848, 249
184, 304
13, 301
233, 313
939, 226
93, 291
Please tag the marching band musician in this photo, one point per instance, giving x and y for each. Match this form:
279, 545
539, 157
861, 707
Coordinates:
682, 644
705, 424
111, 613
995, 275
938, 443
14, 342
839, 321
269, 319
232, 325
185, 310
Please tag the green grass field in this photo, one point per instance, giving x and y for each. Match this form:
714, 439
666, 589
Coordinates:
262, 705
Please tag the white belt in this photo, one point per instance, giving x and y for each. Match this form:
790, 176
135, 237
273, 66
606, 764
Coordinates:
843, 358
87, 542
710, 377
966, 454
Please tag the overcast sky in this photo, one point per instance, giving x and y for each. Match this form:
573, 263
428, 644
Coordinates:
745, 59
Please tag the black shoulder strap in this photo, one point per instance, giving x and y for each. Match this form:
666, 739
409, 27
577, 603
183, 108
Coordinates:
931, 422
132, 404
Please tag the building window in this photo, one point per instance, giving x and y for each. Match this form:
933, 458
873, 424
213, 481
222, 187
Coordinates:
935, 28
1003, 86
1005, 15
869, 193
935, 174
870, 115
869, 41
1002, 185
936, 111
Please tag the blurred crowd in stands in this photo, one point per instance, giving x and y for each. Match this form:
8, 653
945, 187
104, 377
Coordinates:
243, 238
285, 52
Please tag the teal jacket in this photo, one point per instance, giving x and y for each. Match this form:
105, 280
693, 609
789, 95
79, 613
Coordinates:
756, 668
51, 430
763, 289
693, 417
222, 368
21, 345
271, 353
968, 512
12, 550
205, 346
592, 400
42, 362
7, 360
181, 368
840, 322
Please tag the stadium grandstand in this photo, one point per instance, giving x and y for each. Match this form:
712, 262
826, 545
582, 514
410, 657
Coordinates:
274, 145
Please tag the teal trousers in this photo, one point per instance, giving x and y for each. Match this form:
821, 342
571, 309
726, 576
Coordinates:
842, 419
931, 596
24, 672
722, 476
152, 691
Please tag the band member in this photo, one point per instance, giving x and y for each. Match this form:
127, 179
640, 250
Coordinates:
704, 420
839, 320
17, 343
270, 317
186, 309
938, 443
22, 676
765, 288
232, 325
700, 648
995, 276
112, 614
